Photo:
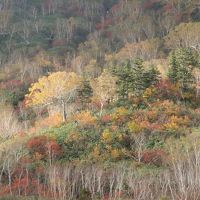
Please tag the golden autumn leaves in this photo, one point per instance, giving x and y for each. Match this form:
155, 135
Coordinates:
60, 87
104, 88
57, 88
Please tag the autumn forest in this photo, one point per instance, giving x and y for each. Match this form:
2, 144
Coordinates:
99, 100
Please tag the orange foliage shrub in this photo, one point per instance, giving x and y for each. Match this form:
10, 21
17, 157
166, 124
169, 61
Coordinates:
176, 123
51, 121
167, 107
96, 152
106, 118
160, 116
116, 153
152, 115
85, 118
120, 115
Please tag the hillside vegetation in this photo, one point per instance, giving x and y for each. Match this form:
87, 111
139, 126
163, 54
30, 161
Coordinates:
100, 99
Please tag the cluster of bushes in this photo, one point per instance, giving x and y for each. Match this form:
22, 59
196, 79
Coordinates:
129, 115
118, 134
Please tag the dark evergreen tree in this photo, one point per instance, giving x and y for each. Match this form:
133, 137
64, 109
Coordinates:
182, 63
133, 79
138, 84
85, 93
125, 80
172, 73
151, 76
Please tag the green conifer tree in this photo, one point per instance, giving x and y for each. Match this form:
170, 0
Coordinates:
125, 79
85, 93
182, 63
151, 76
172, 73
138, 84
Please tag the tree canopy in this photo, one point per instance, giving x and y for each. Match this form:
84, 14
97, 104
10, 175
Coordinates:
57, 88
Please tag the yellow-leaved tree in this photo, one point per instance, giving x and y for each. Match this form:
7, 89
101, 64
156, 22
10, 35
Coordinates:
104, 88
58, 88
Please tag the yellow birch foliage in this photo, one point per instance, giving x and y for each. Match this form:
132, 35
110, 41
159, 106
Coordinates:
56, 86
104, 87
115, 153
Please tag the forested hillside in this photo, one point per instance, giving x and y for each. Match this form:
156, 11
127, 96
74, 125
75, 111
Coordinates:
100, 99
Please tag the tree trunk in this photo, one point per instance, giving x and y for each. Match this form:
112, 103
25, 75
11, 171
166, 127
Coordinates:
64, 111
101, 110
